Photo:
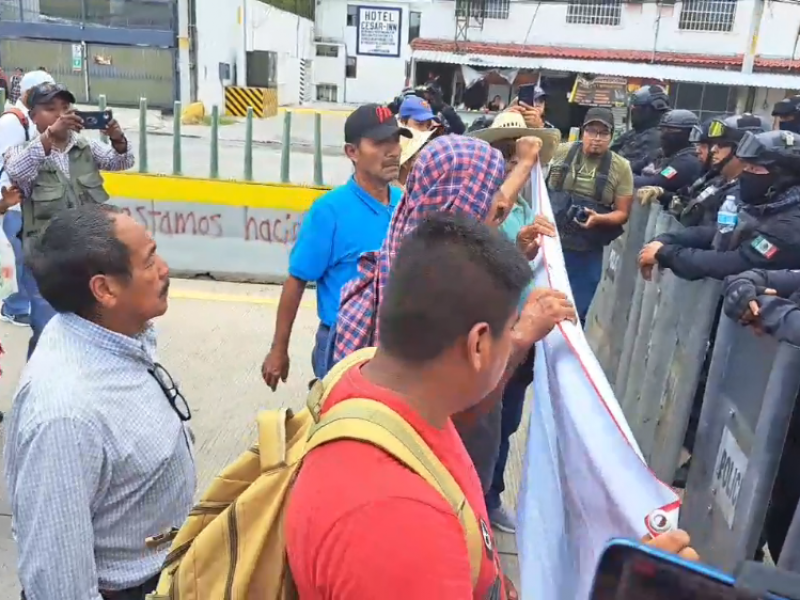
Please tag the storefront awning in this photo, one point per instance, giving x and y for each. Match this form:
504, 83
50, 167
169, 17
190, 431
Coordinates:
616, 68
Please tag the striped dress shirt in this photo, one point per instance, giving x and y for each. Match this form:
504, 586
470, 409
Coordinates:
96, 461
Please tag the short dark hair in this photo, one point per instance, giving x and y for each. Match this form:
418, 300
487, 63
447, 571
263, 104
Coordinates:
77, 244
450, 273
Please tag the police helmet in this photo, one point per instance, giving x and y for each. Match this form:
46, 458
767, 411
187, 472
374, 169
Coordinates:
653, 96
482, 122
776, 150
699, 133
787, 107
730, 130
679, 119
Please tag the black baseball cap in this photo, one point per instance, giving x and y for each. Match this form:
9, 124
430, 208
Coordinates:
47, 92
374, 122
787, 106
601, 115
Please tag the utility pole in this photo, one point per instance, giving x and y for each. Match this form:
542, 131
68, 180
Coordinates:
752, 38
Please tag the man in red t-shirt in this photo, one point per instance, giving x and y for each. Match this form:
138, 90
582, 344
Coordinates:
360, 525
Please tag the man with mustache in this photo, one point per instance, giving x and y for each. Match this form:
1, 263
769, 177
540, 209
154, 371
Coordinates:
99, 460
340, 226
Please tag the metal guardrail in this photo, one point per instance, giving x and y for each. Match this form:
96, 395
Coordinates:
213, 170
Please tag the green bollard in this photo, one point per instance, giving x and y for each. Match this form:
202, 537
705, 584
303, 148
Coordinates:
317, 148
142, 135
286, 146
177, 167
248, 145
215, 142
101, 104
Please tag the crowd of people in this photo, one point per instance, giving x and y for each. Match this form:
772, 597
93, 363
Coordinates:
424, 254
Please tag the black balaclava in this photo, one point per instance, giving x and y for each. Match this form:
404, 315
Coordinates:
673, 140
793, 125
754, 187
645, 117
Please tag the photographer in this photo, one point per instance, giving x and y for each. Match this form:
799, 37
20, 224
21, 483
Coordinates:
59, 169
591, 190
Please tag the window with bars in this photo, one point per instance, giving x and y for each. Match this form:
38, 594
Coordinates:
594, 12
705, 100
707, 15
487, 9
327, 92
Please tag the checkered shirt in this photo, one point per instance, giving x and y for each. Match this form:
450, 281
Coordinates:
452, 174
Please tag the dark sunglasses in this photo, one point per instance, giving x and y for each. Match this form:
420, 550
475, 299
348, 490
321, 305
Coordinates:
171, 391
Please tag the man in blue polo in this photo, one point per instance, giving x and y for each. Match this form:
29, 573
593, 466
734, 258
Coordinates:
337, 230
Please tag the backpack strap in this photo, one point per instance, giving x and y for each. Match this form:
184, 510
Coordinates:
372, 422
22, 118
321, 388
601, 177
566, 166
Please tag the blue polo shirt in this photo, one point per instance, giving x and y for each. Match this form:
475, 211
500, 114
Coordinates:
336, 231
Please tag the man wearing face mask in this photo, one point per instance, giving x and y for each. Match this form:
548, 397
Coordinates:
677, 164
766, 232
641, 143
700, 203
788, 113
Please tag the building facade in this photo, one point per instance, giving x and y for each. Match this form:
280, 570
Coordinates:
695, 47
123, 49
248, 43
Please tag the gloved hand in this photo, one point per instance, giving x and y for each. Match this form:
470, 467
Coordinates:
740, 292
649, 193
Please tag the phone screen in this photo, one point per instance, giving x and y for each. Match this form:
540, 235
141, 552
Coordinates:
526, 93
95, 119
630, 572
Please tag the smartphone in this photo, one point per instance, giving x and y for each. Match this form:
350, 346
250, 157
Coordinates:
526, 93
95, 119
629, 570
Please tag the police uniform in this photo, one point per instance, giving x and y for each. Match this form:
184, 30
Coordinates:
640, 144
671, 173
779, 316
767, 235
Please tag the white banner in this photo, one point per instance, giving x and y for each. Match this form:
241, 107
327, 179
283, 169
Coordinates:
584, 479
379, 31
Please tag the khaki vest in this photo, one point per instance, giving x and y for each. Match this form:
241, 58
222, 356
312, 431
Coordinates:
53, 191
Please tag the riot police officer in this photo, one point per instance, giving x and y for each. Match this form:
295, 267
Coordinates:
641, 143
788, 113
767, 232
676, 165
700, 202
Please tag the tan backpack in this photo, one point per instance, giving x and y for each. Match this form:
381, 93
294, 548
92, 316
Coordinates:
232, 545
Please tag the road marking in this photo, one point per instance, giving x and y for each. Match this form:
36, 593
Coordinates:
339, 112
234, 298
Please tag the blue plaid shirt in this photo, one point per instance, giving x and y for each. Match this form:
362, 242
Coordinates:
96, 461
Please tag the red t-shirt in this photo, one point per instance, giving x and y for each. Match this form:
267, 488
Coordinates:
360, 525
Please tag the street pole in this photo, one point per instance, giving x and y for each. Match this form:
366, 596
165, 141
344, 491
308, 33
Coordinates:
752, 38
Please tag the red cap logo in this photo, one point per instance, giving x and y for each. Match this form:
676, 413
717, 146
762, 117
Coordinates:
383, 113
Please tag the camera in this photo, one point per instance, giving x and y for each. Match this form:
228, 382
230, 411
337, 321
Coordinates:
577, 213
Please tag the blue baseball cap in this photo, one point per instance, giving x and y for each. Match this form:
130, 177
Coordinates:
416, 108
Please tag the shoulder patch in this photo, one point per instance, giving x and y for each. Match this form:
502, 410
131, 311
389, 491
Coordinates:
764, 247
669, 173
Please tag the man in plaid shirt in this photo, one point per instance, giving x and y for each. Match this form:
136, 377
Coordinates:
15, 89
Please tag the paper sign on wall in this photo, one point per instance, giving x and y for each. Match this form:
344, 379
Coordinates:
379, 31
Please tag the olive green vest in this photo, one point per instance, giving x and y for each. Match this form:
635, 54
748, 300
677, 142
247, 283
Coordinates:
53, 191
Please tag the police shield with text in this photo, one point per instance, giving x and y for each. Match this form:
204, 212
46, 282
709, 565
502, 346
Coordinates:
640, 144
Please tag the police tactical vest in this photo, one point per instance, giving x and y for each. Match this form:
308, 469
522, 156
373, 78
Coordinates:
53, 191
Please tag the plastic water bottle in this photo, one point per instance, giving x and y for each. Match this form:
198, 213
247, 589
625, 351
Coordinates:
728, 215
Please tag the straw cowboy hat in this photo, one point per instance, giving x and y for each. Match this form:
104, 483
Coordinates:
410, 146
511, 126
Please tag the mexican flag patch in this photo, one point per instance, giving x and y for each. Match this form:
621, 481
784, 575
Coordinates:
669, 173
764, 247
